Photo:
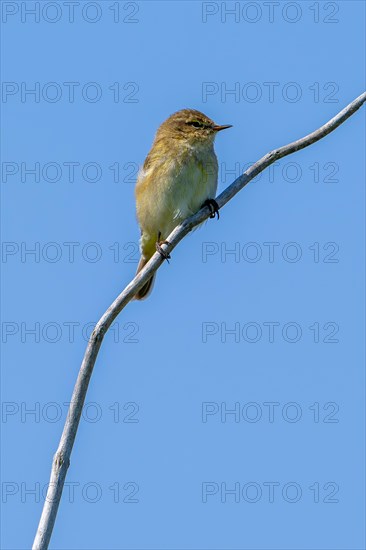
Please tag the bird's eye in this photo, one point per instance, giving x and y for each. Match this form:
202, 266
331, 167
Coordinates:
195, 123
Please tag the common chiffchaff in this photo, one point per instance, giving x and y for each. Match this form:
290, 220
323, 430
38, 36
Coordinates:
179, 176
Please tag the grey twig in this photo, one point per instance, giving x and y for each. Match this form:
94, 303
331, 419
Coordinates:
61, 459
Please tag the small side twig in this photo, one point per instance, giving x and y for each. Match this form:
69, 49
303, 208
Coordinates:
61, 459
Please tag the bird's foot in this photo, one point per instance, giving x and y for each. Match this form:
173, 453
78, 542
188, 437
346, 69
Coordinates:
162, 252
213, 206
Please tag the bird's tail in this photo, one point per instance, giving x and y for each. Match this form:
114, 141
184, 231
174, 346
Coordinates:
148, 286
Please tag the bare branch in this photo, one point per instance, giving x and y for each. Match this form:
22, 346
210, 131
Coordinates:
61, 459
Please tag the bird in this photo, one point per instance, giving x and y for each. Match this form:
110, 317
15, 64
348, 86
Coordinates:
178, 177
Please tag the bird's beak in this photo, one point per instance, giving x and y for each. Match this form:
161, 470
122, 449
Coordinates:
219, 128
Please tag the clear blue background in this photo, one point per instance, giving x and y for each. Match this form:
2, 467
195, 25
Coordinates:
169, 372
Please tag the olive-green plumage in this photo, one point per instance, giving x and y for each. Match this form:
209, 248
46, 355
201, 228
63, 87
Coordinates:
178, 175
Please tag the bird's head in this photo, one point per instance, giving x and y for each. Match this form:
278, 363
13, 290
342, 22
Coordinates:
190, 125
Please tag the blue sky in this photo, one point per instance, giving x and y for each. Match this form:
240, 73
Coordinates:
260, 314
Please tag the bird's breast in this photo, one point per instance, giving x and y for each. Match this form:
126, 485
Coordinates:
195, 182
175, 187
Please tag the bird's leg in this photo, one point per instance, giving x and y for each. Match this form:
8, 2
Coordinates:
159, 249
213, 206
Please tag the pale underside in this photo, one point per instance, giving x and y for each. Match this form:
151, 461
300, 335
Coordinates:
170, 190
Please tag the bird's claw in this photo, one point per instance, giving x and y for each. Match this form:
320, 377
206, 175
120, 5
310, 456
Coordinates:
159, 248
214, 208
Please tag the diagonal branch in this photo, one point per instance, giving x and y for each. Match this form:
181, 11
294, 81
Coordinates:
61, 459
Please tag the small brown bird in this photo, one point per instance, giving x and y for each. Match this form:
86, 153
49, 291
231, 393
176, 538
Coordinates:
178, 177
